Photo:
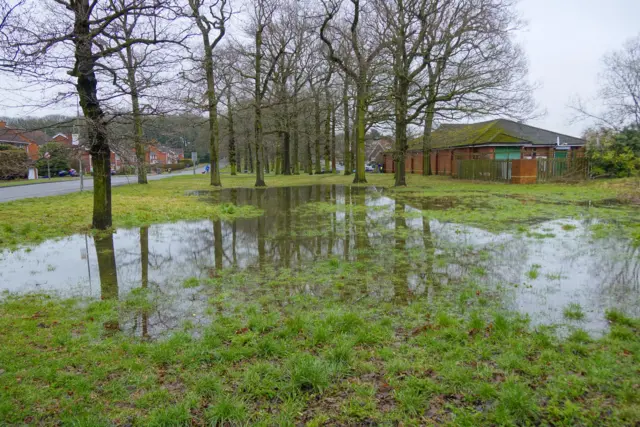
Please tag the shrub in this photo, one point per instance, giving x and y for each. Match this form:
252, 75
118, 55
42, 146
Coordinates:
60, 159
14, 162
618, 155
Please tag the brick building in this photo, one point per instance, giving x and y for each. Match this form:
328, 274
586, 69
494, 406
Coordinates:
499, 139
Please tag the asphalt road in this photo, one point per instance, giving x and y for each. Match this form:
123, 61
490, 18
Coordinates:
56, 188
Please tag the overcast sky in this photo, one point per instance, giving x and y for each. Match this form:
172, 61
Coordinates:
564, 41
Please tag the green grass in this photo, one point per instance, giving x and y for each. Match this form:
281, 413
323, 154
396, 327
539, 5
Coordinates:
457, 361
331, 342
573, 311
493, 206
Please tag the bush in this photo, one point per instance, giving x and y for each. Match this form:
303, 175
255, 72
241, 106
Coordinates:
619, 156
187, 162
172, 166
14, 162
60, 159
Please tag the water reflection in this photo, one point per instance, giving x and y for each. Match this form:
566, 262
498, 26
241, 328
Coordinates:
398, 252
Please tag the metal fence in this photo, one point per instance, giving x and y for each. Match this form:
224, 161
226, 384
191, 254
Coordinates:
484, 169
568, 169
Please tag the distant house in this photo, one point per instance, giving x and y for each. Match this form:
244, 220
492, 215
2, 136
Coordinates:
162, 155
499, 139
374, 150
68, 139
30, 141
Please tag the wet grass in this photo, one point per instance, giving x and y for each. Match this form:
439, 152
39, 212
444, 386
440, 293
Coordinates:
311, 346
329, 342
493, 206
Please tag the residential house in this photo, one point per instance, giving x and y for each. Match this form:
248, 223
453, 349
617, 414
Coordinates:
30, 141
499, 139
162, 155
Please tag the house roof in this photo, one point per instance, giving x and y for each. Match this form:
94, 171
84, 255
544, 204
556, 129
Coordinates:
495, 132
377, 146
22, 137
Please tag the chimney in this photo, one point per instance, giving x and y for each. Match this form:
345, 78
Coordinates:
3, 124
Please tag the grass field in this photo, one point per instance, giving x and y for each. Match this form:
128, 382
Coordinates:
320, 344
34, 220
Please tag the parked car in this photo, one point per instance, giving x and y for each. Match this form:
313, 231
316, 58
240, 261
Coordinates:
369, 168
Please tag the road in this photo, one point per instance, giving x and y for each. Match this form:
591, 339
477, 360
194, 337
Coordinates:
57, 188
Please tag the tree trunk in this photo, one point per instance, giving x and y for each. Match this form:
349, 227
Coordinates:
137, 119
285, 155
144, 265
333, 141
108, 274
278, 157
296, 136
347, 130
327, 135
426, 141
317, 132
309, 158
258, 112
217, 245
250, 157
401, 106
360, 127
87, 87
212, 105
232, 138
286, 164
265, 159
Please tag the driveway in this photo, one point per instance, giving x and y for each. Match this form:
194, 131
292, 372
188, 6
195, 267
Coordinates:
57, 188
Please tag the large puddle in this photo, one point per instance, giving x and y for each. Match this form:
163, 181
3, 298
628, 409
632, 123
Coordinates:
544, 273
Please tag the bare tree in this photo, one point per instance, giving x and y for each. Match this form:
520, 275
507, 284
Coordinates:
474, 68
366, 46
137, 69
211, 17
9, 20
71, 42
228, 80
619, 90
346, 130
262, 16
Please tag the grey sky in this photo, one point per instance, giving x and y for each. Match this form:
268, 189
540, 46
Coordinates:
565, 41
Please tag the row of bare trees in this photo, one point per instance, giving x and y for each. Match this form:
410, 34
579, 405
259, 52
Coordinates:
302, 80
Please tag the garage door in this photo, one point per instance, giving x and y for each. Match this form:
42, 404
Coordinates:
507, 153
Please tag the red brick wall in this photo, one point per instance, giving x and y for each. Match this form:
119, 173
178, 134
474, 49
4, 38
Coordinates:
417, 162
388, 163
444, 158
524, 171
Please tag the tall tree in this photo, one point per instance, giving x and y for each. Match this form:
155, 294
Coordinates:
262, 15
366, 46
346, 128
211, 17
135, 70
74, 43
474, 68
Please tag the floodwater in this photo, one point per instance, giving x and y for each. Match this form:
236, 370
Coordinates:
537, 276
